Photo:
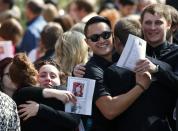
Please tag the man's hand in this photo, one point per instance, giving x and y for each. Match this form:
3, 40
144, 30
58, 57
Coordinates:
144, 79
145, 65
62, 95
66, 96
79, 70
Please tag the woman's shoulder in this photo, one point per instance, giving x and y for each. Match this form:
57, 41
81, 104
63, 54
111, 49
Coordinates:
27, 93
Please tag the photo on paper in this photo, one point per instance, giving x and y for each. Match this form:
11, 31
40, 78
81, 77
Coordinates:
6, 49
83, 89
78, 89
77, 108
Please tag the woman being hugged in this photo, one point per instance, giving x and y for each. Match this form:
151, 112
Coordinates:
49, 113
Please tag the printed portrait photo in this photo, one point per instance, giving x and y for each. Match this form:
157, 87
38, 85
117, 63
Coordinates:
78, 89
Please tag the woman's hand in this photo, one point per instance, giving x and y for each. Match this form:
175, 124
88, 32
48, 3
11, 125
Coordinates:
28, 110
62, 95
66, 96
145, 65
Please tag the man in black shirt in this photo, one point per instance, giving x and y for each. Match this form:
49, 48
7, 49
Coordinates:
99, 38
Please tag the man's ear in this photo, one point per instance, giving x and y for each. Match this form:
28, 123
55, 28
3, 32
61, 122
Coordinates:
118, 45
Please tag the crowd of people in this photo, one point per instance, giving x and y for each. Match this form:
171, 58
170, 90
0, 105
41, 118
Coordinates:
87, 41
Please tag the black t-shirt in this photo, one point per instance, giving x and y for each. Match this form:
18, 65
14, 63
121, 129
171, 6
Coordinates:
95, 70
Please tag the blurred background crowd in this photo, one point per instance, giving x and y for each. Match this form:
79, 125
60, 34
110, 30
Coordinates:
49, 41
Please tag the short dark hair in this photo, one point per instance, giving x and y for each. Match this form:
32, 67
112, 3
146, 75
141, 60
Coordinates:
128, 2
53, 2
50, 34
52, 62
83, 5
96, 19
9, 2
65, 21
124, 27
41, 63
34, 7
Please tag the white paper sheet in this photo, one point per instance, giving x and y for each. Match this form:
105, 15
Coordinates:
134, 50
83, 89
6, 49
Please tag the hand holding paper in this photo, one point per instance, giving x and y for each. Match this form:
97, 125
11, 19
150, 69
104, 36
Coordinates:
83, 89
134, 50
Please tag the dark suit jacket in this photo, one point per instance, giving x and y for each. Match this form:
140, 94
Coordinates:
158, 101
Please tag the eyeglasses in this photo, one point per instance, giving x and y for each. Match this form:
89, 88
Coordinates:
96, 37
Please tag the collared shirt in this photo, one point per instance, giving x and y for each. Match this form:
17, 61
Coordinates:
157, 52
9, 119
95, 70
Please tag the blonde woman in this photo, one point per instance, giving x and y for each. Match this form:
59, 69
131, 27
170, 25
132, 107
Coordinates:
71, 49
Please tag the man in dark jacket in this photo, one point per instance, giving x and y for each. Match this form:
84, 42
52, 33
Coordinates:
150, 110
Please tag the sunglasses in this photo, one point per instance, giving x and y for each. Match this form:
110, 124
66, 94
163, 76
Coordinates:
96, 37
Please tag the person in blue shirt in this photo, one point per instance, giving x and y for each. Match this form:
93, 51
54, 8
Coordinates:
35, 24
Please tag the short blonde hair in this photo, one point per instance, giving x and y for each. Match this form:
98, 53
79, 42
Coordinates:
71, 50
